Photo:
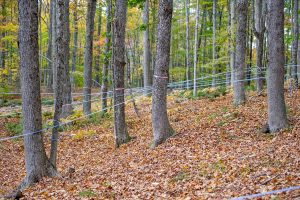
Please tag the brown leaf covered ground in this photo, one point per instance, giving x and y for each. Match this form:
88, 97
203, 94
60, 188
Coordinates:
217, 153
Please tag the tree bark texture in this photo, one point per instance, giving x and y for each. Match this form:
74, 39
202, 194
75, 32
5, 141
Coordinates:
88, 56
60, 68
277, 118
295, 41
259, 31
120, 129
107, 56
239, 96
146, 50
160, 122
36, 162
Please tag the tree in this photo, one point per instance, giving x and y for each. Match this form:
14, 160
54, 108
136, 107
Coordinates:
36, 162
75, 40
160, 122
107, 56
214, 41
259, 31
295, 41
241, 34
232, 33
196, 49
88, 56
277, 118
67, 90
146, 56
120, 129
60, 65
50, 48
98, 56
187, 42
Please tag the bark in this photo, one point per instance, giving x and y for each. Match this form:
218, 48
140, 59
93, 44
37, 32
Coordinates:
228, 69
232, 33
146, 56
259, 31
2, 35
160, 122
120, 129
36, 162
107, 56
239, 96
75, 41
187, 42
60, 68
67, 90
214, 42
88, 56
295, 41
53, 53
98, 48
49, 50
277, 118
196, 49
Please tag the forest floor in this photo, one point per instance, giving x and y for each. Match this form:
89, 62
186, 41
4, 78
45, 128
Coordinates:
218, 152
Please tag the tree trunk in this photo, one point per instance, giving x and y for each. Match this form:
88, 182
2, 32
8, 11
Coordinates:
36, 162
187, 42
67, 90
295, 41
3, 34
88, 56
60, 64
120, 130
49, 50
239, 96
214, 42
232, 34
146, 57
98, 48
53, 53
277, 118
196, 50
228, 68
160, 122
107, 56
259, 31
75, 41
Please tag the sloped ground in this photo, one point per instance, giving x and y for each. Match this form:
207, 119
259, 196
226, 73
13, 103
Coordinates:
217, 153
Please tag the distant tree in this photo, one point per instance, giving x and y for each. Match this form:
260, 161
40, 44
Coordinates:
160, 122
295, 25
187, 42
214, 52
240, 57
119, 25
67, 89
259, 32
232, 37
277, 118
107, 56
98, 46
146, 44
196, 49
88, 56
75, 40
36, 162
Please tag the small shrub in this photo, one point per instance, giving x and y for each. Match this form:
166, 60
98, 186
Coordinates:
14, 128
87, 193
